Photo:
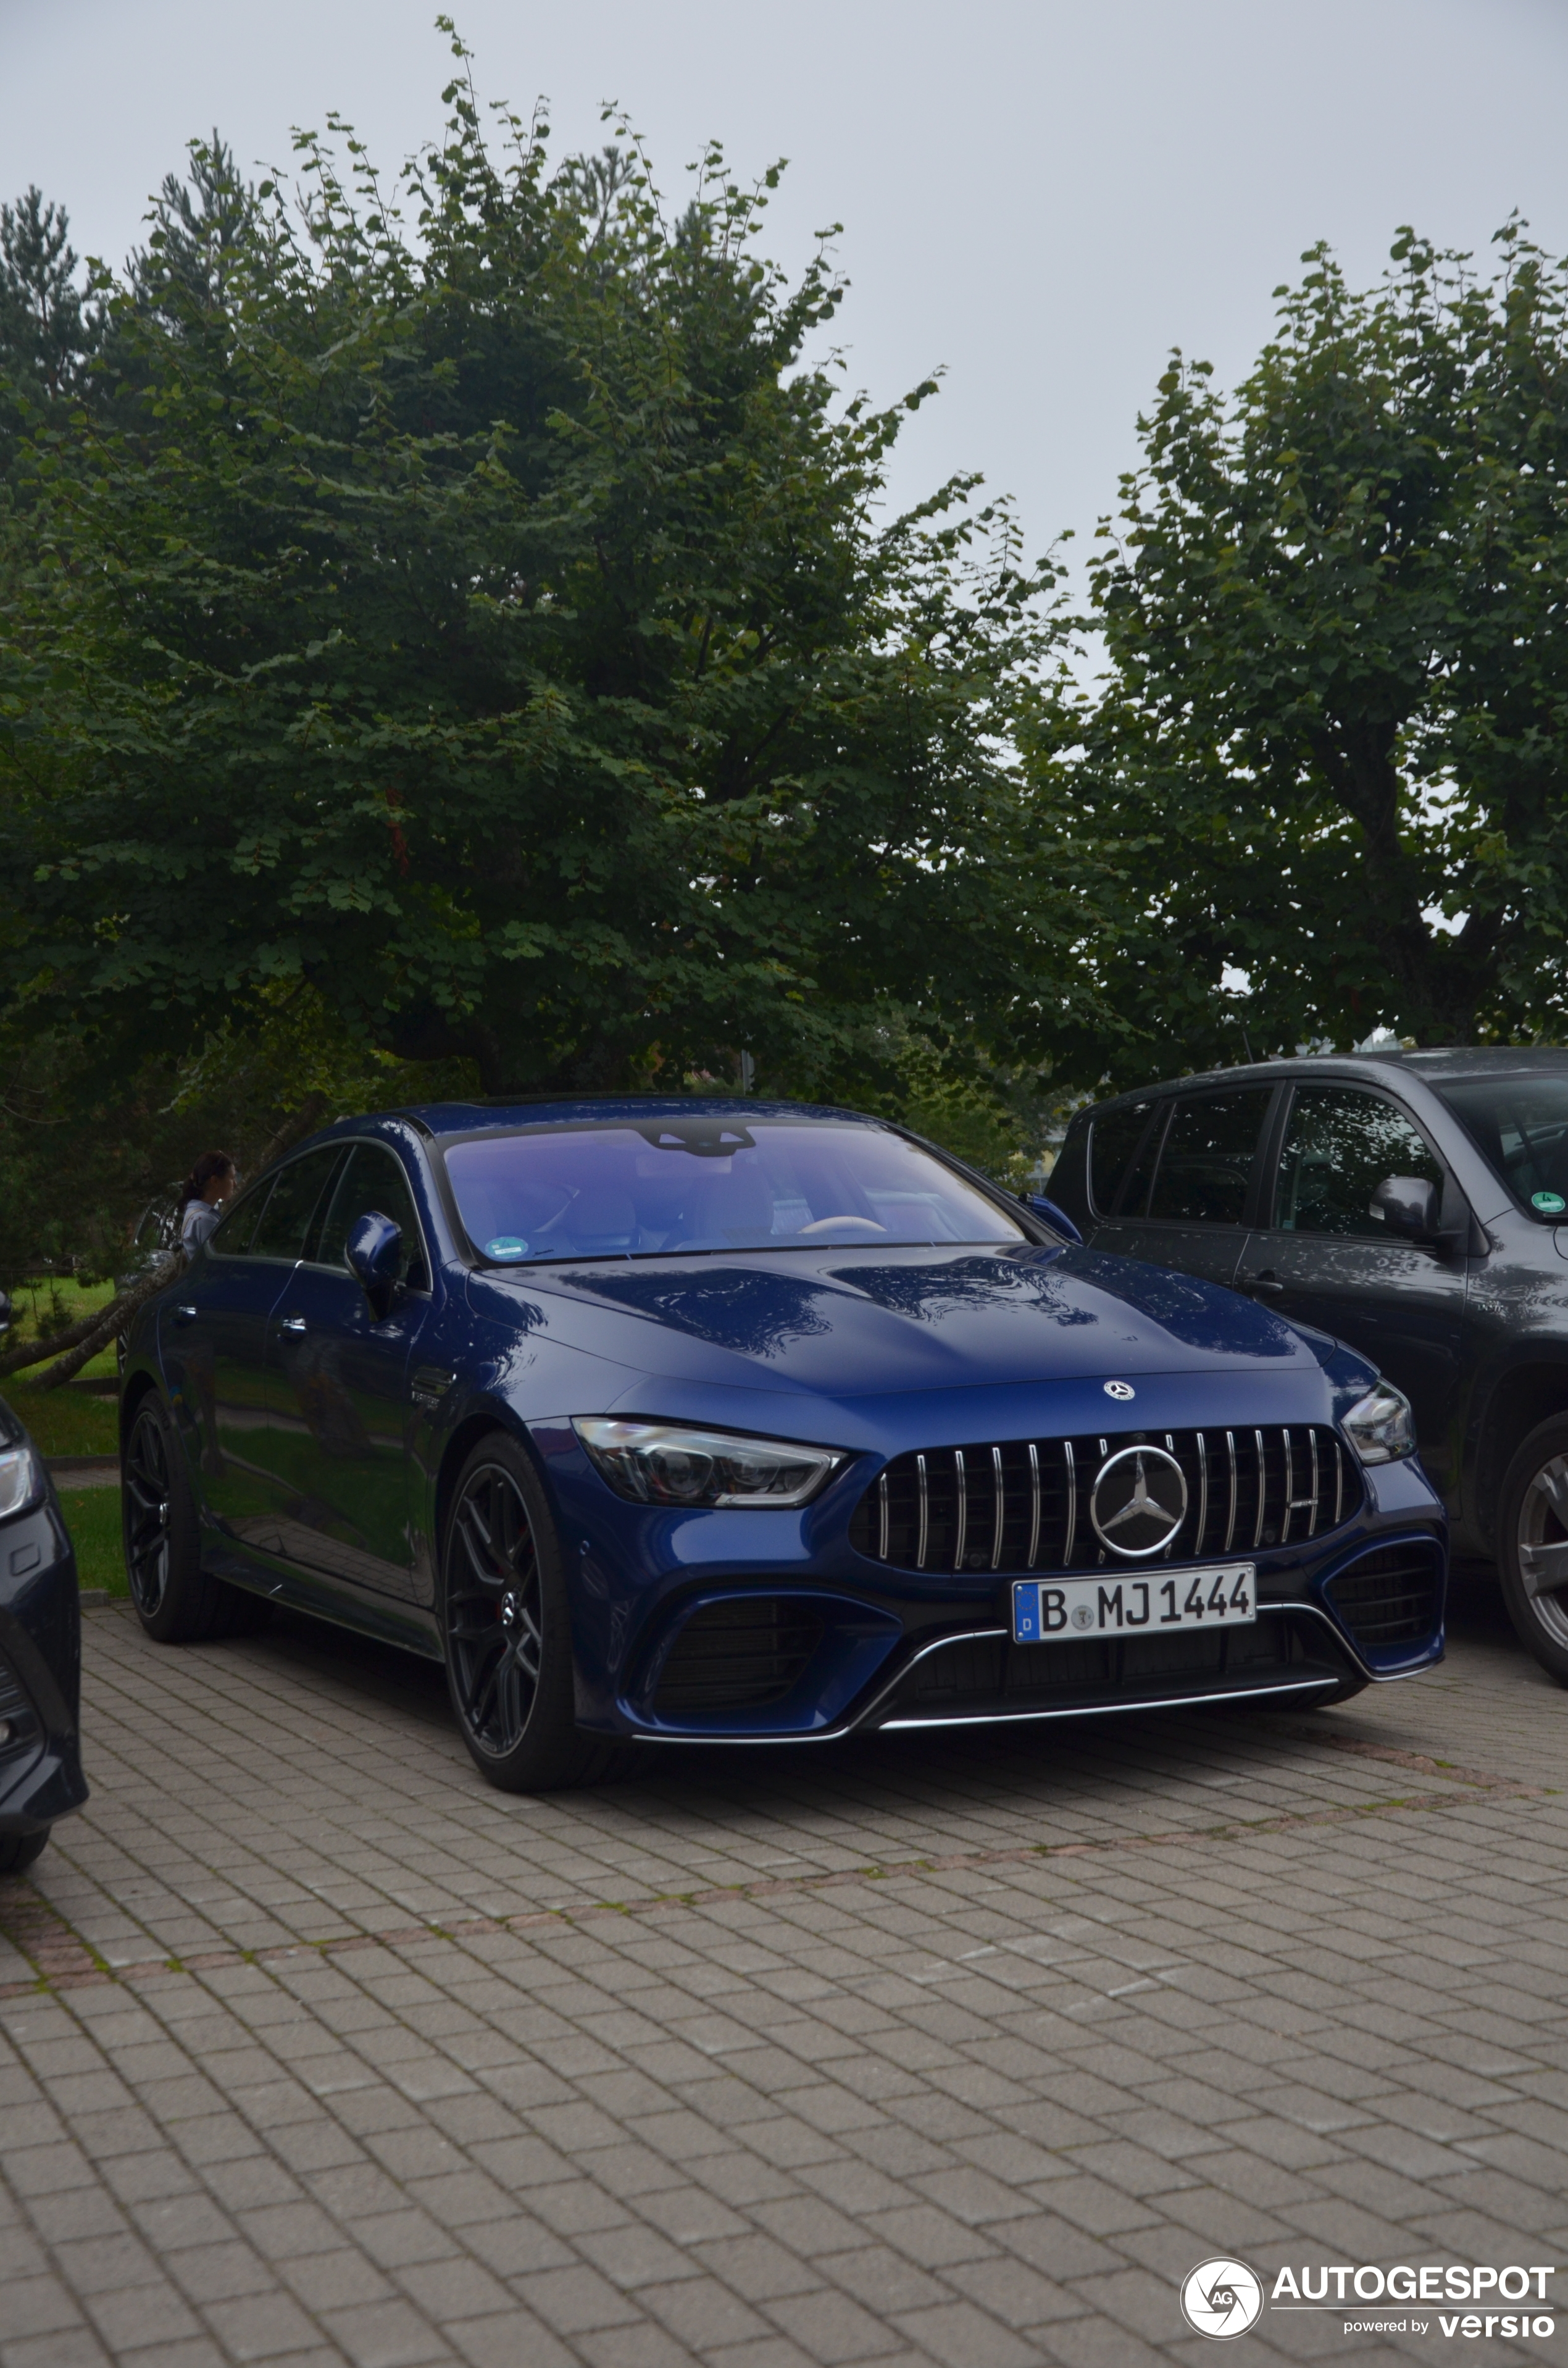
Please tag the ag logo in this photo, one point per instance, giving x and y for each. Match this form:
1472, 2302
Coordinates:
1139, 1501
1221, 2298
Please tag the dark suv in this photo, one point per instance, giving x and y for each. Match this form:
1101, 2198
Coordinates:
1415, 1204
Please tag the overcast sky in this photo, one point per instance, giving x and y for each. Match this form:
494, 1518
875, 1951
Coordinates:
1043, 199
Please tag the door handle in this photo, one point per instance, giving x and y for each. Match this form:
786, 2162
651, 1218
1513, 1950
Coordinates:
295, 1324
185, 1314
1265, 1284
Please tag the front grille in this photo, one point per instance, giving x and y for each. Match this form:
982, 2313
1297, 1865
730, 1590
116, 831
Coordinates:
741, 1655
1023, 1505
990, 1674
1389, 1596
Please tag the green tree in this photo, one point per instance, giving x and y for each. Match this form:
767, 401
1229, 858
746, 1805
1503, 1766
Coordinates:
483, 621
1332, 746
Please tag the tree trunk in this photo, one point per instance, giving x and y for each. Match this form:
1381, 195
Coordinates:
97, 1334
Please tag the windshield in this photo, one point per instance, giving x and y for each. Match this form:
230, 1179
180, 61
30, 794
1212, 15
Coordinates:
1519, 1124
703, 1183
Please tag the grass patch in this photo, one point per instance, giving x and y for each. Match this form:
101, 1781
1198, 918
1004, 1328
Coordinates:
67, 1421
39, 1308
92, 1515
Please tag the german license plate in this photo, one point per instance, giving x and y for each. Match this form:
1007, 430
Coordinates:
1116, 1604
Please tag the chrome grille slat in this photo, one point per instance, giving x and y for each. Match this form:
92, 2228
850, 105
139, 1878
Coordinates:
1247, 1491
1000, 1516
960, 1517
924, 1495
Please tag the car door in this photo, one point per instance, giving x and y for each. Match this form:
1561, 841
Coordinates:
213, 1337
1186, 1200
1326, 1257
339, 1393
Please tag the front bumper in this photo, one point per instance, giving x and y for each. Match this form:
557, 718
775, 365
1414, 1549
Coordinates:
41, 1651
763, 1627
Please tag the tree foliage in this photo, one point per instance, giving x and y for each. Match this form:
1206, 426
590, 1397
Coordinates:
467, 606
1333, 747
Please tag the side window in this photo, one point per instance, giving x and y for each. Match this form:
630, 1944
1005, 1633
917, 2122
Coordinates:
374, 1179
1339, 1146
1113, 1142
234, 1234
285, 1221
1206, 1165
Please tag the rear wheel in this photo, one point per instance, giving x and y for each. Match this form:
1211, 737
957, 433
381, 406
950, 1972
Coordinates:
1533, 1546
18, 1851
176, 1602
507, 1639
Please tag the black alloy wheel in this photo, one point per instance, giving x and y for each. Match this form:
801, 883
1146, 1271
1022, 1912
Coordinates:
1533, 1546
508, 1642
176, 1602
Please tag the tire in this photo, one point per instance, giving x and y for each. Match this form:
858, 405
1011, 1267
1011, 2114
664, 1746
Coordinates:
176, 1602
1533, 1546
507, 1629
18, 1851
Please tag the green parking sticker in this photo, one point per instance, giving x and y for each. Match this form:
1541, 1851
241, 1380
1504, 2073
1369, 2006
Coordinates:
1550, 1204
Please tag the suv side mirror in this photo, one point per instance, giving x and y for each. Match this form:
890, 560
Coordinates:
1054, 1216
374, 1252
4, 1310
1408, 1205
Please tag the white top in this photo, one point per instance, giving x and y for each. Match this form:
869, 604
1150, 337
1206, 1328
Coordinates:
200, 1219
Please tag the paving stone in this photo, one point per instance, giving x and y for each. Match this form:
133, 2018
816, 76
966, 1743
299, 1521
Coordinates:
986, 2108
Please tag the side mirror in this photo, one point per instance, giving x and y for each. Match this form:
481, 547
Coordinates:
1408, 1205
4, 1310
374, 1251
1054, 1216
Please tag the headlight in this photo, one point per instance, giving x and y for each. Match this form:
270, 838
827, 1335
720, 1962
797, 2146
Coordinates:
1381, 1424
18, 1479
665, 1463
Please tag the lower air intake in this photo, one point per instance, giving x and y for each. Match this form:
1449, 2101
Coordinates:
743, 1655
1389, 1596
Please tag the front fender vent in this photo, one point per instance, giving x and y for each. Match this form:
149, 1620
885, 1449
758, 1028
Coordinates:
744, 1653
1024, 1504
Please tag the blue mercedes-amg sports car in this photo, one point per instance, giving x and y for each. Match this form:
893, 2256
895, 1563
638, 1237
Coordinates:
679, 1420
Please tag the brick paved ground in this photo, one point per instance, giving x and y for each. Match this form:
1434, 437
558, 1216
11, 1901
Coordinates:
312, 2049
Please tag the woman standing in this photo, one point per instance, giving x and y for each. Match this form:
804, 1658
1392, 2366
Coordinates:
203, 1195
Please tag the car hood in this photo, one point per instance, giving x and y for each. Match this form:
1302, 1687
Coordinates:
862, 1323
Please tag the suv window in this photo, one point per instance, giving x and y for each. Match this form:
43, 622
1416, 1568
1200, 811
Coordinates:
234, 1234
1206, 1165
1519, 1124
1339, 1146
1113, 1140
285, 1227
374, 1179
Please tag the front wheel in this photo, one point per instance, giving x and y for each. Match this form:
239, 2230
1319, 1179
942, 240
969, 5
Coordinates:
1533, 1546
508, 1643
18, 1851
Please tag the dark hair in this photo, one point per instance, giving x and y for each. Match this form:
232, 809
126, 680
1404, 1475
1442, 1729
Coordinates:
210, 1164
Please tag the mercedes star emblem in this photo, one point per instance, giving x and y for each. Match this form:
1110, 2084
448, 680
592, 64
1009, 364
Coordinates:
1122, 1390
1139, 1501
